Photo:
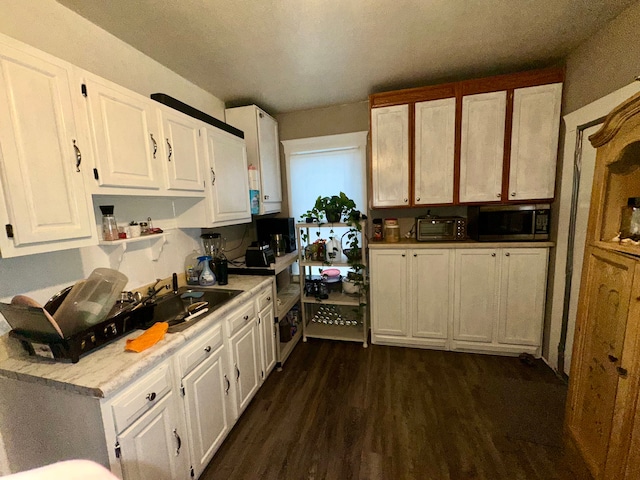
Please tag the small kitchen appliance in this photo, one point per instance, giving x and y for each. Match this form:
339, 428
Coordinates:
259, 255
265, 227
432, 228
509, 222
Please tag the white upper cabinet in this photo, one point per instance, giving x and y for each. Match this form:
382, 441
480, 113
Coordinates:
390, 156
534, 141
482, 147
263, 152
228, 184
125, 134
435, 123
45, 207
182, 157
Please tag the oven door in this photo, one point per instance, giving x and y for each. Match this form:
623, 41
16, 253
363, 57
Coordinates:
435, 229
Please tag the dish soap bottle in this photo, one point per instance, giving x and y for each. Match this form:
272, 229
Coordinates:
207, 278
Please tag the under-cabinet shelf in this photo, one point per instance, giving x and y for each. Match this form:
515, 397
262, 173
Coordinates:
349, 333
287, 298
287, 347
117, 248
336, 298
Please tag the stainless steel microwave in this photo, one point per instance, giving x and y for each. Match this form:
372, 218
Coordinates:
436, 229
510, 222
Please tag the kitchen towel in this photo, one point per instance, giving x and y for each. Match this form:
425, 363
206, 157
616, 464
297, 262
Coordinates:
148, 339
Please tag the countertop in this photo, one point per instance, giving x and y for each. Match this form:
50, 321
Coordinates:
103, 372
413, 243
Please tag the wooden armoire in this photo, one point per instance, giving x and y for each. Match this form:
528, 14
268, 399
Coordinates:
603, 417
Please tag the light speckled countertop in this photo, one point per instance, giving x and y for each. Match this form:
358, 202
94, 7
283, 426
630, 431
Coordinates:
413, 243
103, 372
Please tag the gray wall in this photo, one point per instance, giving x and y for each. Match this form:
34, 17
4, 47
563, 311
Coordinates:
605, 62
318, 122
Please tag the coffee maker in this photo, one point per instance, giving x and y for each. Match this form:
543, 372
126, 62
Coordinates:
267, 227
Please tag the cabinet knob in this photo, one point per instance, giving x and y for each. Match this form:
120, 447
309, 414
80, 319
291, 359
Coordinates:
415, 254
266, 197
246, 317
622, 372
513, 194
507, 254
498, 195
151, 396
268, 299
612, 359
418, 199
406, 200
493, 254
403, 255
207, 348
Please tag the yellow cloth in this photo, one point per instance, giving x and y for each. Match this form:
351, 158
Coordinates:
148, 339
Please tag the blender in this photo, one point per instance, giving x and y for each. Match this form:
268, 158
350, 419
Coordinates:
214, 246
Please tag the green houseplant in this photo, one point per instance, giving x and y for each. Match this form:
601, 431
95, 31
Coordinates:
333, 209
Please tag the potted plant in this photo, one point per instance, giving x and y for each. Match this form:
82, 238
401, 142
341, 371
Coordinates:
333, 209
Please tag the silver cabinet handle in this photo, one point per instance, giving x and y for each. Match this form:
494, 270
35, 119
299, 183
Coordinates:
226, 390
213, 177
78, 156
513, 194
155, 145
178, 439
237, 372
207, 348
151, 396
170, 150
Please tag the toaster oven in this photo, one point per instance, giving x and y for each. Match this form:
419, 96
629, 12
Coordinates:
437, 229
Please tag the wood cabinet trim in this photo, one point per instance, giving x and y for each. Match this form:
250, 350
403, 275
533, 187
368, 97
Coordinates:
412, 95
615, 120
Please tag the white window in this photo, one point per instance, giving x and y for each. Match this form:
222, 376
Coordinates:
326, 166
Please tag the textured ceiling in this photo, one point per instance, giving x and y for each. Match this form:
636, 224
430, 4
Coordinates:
287, 55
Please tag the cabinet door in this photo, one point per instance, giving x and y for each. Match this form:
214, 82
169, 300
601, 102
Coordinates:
153, 446
125, 135
482, 147
390, 156
431, 293
267, 340
245, 358
476, 290
389, 300
534, 142
227, 179
523, 286
269, 163
43, 185
182, 151
435, 126
207, 407
600, 334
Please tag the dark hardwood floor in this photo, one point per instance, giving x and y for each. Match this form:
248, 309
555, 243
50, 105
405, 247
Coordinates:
338, 411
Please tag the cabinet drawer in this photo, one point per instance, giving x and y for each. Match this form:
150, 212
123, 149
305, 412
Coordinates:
265, 298
141, 396
241, 317
199, 349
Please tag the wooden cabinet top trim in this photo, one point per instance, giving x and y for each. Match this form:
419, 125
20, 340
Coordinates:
615, 120
468, 87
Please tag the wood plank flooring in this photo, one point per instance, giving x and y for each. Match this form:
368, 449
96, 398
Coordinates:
338, 411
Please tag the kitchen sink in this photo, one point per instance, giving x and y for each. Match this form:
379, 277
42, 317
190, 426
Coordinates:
189, 305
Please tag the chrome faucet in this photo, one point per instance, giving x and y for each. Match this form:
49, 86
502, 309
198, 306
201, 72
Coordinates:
153, 291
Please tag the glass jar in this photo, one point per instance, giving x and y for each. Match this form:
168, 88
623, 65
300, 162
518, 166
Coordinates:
392, 233
109, 224
630, 219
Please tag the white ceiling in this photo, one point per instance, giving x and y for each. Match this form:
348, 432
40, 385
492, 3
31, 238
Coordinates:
287, 55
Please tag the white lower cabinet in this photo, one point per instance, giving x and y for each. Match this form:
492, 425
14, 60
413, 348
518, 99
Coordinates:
169, 423
207, 396
488, 300
153, 446
411, 297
